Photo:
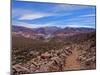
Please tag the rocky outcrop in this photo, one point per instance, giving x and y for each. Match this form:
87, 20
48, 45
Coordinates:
87, 55
53, 60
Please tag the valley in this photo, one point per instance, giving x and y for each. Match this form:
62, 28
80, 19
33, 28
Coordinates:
52, 49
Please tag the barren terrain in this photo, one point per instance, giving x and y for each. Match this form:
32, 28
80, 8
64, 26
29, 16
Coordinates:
57, 53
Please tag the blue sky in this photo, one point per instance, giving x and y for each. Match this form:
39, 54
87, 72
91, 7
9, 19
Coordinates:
36, 14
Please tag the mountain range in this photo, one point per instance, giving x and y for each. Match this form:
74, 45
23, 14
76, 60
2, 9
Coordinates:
47, 32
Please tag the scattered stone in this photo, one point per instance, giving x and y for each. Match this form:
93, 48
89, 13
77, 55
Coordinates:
18, 68
46, 55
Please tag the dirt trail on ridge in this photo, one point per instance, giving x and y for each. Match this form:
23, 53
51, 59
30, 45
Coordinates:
71, 62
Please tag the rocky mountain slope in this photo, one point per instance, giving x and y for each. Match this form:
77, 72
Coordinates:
71, 53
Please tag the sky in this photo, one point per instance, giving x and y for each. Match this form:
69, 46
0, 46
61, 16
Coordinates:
37, 14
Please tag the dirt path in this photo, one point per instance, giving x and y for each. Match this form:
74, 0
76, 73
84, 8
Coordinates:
71, 63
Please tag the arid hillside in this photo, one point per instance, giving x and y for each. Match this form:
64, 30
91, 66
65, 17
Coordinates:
57, 53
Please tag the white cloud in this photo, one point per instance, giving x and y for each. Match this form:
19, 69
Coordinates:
19, 12
26, 14
68, 7
32, 25
28, 25
79, 25
88, 15
31, 16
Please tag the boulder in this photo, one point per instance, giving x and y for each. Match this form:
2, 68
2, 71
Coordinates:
20, 69
45, 55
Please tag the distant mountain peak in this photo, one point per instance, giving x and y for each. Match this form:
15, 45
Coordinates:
49, 31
